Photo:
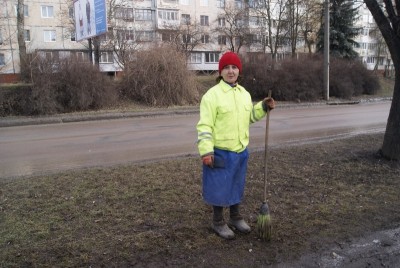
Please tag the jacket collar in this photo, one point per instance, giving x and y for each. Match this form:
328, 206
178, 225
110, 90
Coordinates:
226, 87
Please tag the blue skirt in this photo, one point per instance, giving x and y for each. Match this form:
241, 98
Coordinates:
224, 184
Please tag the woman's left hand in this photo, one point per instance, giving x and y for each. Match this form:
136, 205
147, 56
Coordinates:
270, 102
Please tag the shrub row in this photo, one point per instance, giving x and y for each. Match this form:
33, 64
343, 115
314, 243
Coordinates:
302, 80
160, 77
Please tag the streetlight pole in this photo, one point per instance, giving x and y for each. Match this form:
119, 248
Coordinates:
326, 50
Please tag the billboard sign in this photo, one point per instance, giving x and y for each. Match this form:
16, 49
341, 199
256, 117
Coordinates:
90, 18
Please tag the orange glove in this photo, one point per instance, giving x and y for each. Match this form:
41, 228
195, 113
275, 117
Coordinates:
208, 160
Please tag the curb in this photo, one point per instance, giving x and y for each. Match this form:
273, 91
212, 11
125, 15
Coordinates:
69, 118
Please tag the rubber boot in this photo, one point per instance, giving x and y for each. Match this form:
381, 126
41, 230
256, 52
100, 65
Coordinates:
236, 220
219, 226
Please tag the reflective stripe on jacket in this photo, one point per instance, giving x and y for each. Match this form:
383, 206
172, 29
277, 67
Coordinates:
225, 116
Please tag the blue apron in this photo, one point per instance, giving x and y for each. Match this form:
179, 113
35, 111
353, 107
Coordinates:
223, 185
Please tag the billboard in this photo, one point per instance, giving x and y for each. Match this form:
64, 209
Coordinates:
90, 18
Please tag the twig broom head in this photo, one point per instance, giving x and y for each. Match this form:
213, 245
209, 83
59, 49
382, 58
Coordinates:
264, 227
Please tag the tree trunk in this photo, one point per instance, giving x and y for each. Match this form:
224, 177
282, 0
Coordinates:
391, 143
387, 21
23, 59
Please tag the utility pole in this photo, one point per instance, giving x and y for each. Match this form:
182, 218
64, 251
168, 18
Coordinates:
326, 50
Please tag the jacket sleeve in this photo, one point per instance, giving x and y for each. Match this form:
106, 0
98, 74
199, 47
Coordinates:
257, 113
205, 126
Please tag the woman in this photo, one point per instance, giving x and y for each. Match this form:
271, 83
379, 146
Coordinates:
226, 112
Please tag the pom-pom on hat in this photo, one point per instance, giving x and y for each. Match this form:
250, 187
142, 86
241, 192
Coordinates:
229, 58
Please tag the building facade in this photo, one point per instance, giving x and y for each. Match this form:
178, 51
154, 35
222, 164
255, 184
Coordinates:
203, 29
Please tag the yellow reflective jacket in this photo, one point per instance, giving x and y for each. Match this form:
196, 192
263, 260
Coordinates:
225, 116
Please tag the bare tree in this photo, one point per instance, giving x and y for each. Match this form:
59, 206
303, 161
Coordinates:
380, 48
387, 17
125, 37
232, 25
24, 65
274, 14
294, 15
310, 22
185, 37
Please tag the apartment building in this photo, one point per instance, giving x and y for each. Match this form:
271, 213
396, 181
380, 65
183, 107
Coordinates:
372, 51
197, 26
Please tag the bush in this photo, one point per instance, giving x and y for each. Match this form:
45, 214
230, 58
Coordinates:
68, 86
159, 77
14, 100
351, 78
288, 80
302, 80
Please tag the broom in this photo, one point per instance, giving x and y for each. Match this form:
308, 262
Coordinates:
264, 228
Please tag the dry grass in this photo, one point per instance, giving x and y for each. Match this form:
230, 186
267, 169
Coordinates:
152, 215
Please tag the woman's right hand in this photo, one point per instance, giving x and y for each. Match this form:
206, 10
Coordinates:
208, 160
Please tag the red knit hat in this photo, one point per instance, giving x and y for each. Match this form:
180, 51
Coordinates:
229, 58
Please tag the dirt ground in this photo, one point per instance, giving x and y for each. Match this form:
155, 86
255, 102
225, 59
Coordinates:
333, 204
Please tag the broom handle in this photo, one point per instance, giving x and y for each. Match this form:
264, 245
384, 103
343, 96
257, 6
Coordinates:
266, 149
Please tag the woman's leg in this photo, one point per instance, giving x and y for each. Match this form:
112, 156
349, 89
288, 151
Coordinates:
219, 226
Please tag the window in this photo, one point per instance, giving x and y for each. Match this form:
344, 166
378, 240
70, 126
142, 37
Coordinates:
280, 56
27, 35
221, 22
364, 31
145, 36
255, 38
204, 3
363, 45
186, 38
185, 19
50, 55
73, 36
26, 10
205, 39
1, 38
372, 46
71, 12
123, 13
204, 20
49, 36
106, 57
2, 59
194, 58
125, 34
47, 12
257, 21
238, 40
221, 3
370, 60
80, 56
212, 57
166, 37
239, 22
64, 54
168, 15
238, 3
107, 36
143, 14
184, 2
221, 40
256, 4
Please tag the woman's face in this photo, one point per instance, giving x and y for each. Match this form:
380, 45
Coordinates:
230, 73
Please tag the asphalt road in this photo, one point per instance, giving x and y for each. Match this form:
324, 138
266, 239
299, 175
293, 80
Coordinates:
47, 148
